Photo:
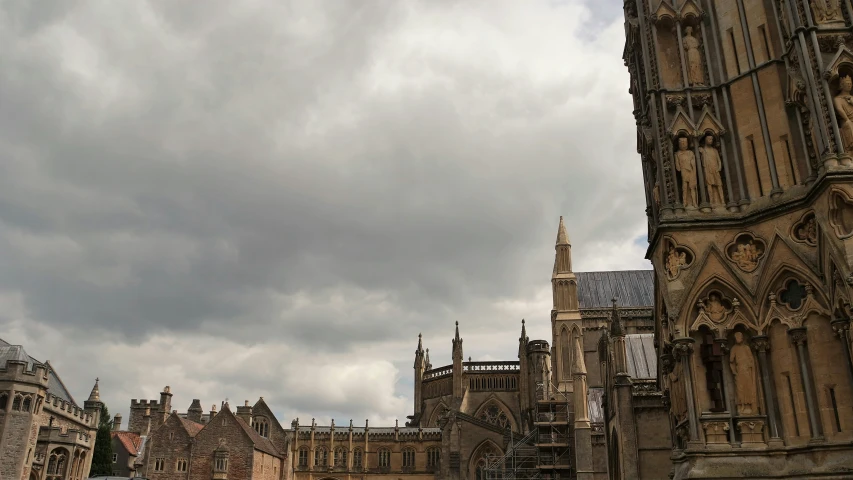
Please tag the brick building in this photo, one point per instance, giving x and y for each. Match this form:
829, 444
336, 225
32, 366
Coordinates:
44, 433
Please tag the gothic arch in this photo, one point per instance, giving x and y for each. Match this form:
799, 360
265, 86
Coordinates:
770, 283
437, 412
486, 452
716, 282
494, 401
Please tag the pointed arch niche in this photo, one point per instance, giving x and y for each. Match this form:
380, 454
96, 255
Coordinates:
494, 411
437, 412
484, 455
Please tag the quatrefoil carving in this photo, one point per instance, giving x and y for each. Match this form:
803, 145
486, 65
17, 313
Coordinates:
676, 258
746, 251
805, 230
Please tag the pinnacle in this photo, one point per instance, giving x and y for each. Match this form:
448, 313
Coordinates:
580, 365
95, 396
562, 236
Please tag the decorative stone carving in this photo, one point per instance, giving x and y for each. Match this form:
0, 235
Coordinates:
841, 213
751, 431
843, 103
685, 163
805, 230
798, 335
760, 343
793, 295
676, 259
716, 307
841, 327
678, 403
746, 251
716, 432
712, 166
742, 364
827, 12
674, 100
695, 72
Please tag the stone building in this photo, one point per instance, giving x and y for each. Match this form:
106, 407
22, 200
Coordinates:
545, 414
744, 122
44, 433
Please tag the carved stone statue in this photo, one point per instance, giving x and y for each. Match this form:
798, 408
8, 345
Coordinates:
712, 166
715, 308
674, 262
826, 11
843, 103
678, 403
742, 364
746, 255
656, 193
695, 74
685, 162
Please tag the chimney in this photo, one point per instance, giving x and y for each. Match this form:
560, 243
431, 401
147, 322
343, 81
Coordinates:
117, 422
245, 412
195, 411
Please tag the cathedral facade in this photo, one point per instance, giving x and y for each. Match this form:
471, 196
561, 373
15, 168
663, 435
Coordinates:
744, 117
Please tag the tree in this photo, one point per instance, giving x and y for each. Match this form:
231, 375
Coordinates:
102, 457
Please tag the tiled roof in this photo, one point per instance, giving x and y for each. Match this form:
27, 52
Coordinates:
192, 427
640, 353
55, 386
326, 429
261, 443
631, 288
129, 440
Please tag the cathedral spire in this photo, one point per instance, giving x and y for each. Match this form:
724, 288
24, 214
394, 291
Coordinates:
562, 236
563, 257
523, 337
95, 396
420, 349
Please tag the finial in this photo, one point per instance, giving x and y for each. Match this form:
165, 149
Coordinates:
562, 236
397, 423
523, 331
420, 344
350, 424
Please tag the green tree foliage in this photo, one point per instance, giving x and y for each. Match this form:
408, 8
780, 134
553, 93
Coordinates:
102, 457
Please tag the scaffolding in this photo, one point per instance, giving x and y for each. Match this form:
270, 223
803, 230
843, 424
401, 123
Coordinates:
545, 452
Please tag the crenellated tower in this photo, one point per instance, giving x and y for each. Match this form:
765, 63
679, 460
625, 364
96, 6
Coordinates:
565, 315
744, 117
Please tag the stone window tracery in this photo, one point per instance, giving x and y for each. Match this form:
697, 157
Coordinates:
357, 458
159, 464
56, 465
303, 456
433, 457
496, 416
793, 295
16, 404
486, 456
409, 458
340, 457
262, 426
181, 465
384, 458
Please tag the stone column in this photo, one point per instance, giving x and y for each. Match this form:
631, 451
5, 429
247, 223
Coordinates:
760, 343
683, 350
798, 337
841, 326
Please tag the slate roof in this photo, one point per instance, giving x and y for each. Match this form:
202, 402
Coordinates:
631, 288
55, 386
129, 440
640, 353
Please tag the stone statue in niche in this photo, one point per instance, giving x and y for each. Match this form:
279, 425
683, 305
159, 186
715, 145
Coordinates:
843, 103
685, 162
656, 193
742, 364
695, 75
715, 308
678, 403
827, 11
712, 166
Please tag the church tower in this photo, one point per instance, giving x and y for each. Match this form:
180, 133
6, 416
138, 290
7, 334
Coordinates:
744, 118
565, 315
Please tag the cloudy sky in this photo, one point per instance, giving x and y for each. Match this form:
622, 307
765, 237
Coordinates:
267, 198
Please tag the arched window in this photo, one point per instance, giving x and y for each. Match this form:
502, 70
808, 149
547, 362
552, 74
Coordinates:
303, 457
4, 400
321, 457
409, 458
220, 460
16, 405
262, 426
56, 464
340, 457
433, 458
384, 458
357, 457
495, 415
485, 456
181, 465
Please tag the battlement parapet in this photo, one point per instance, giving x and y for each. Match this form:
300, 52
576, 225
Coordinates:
55, 404
142, 404
20, 371
70, 436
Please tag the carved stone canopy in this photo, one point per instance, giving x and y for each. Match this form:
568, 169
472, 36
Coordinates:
720, 313
681, 125
709, 123
841, 64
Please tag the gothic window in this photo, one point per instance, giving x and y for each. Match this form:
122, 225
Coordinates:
340, 457
56, 465
181, 466
433, 457
221, 464
159, 464
16, 405
27, 403
486, 456
357, 456
4, 400
409, 458
303, 456
262, 426
793, 295
384, 458
115, 457
321, 457
496, 416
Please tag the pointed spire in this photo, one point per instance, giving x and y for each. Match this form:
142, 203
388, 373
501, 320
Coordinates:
562, 236
95, 396
457, 330
579, 366
420, 344
523, 331
426, 360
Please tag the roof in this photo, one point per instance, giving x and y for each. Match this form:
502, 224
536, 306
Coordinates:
326, 429
594, 396
129, 440
640, 353
630, 288
55, 386
192, 427
261, 443
14, 353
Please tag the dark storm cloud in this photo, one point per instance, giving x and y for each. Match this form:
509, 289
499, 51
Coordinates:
239, 187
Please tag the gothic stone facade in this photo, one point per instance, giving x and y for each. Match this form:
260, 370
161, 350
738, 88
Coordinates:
744, 122
44, 434
467, 414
